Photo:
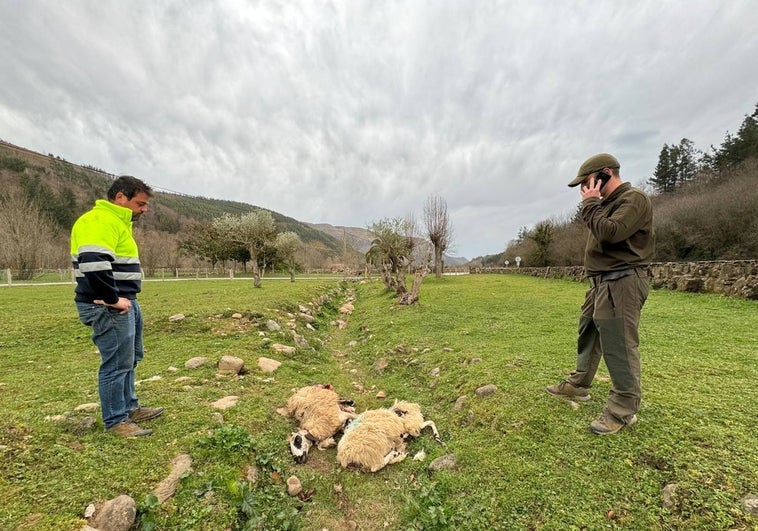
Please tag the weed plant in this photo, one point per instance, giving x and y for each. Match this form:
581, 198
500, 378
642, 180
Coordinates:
524, 459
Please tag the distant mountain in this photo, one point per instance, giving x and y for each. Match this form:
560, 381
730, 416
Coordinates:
64, 190
360, 240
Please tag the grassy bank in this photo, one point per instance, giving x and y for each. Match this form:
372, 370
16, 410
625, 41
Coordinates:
524, 459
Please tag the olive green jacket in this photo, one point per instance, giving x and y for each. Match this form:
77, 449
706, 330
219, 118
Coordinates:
621, 231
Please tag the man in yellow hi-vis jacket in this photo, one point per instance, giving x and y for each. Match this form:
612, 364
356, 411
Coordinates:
108, 278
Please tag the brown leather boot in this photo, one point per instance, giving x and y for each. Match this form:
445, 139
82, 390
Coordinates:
144, 413
129, 430
568, 390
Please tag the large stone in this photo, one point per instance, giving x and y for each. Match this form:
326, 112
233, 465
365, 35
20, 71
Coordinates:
194, 363
226, 402
166, 488
231, 364
268, 365
117, 514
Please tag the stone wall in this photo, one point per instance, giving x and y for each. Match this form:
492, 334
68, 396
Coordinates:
733, 278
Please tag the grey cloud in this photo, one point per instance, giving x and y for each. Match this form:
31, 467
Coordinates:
349, 111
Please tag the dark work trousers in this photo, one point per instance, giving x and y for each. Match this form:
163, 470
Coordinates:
609, 328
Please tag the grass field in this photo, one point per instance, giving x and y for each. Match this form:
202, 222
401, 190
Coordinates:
524, 459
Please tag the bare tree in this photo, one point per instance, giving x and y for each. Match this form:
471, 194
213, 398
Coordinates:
253, 230
156, 249
29, 239
438, 229
286, 245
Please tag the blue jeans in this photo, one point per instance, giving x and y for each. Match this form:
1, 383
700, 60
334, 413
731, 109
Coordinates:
118, 337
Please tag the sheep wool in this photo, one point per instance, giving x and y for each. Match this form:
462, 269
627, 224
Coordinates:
376, 437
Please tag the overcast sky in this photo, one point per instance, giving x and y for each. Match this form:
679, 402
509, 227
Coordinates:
347, 112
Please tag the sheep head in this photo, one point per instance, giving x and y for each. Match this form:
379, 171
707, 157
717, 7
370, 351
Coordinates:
300, 444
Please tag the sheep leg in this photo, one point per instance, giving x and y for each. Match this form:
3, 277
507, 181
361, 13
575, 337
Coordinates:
394, 456
326, 443
430, 424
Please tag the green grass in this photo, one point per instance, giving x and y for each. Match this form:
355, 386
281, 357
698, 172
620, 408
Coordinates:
525, 460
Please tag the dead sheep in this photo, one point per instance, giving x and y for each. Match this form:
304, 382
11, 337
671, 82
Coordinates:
376, 438
320, 414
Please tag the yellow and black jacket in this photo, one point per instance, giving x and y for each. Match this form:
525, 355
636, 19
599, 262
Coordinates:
104, 254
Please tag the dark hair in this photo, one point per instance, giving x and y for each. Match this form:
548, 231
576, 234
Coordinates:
129, 186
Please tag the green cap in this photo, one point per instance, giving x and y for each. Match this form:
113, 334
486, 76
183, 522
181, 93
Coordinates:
593, 164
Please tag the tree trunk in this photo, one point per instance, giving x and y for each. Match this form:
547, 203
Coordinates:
411, 297
438, 264
256, 272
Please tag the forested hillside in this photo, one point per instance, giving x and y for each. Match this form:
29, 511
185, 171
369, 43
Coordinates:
705, 207
42, 195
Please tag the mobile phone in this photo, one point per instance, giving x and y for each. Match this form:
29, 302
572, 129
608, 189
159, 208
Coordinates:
603, 177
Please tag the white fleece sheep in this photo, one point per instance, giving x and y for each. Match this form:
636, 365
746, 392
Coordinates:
376, 437
320, 414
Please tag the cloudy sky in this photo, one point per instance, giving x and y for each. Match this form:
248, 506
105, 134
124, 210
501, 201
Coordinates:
347, 112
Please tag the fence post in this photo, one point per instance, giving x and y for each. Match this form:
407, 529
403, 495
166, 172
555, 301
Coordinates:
8, 275
231, 273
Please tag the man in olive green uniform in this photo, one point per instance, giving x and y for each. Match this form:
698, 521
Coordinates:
620, 246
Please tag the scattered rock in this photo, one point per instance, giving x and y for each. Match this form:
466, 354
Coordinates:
381, 394
380, 364
194, 363
352, 343
117, 514
459, 403
183, 379
669, 495
435, 372
166, 488
476, 360
306, 317
446, 462
268, 365
300, 341
420, 455
226, 402
176, 317
217, 417
155, 378
750, 504
294, 487
231, 364
57, 418
283, 349
347, 309
236, 316
486, 390
172, 369
273, 325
